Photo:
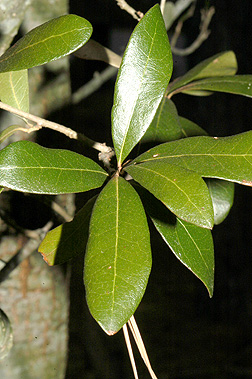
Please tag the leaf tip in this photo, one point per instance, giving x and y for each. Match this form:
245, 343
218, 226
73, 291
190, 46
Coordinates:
247, 182
111, 332
45, 258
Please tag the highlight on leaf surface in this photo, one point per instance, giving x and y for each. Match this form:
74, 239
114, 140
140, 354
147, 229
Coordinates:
141, 82
118, 257
67, 240
28, 167
50, 41
228, 158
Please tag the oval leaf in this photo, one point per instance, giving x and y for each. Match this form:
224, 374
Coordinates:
192, 245
222, 194
28, 167
14, 89
118, 257
47, 42
228, 158
141, 82
222, 64
184, 192
238, 85
69, 239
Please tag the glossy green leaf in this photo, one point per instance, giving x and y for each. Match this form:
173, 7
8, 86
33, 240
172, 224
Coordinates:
118, 257
14, 89
238, 85
28, 167
222, 64
69, 239
192, 245
228, 158
222, 194
190, 129
184, 192
47, 42
141, 82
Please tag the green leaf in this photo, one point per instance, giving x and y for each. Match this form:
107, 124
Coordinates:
238, 85
184, 192
141, 82
165, 125
228, 158
118, 257
69, 239
49, 41
222, 64
28, 167
192, 245
190, 129
14, 89
222, 194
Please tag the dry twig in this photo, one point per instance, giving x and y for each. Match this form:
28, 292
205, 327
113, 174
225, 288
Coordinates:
206, 17
41, 122
137, 15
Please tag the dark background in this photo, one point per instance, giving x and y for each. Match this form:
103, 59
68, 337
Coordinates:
187, 334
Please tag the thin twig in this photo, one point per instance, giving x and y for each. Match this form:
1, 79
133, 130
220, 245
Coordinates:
130, 351
137, 15
139, 341
31, 246
41, 122
206, 17
95, 83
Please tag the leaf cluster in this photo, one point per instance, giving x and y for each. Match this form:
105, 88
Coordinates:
183, 181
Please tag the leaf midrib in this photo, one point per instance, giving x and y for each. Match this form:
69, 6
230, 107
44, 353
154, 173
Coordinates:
52, 168
41, 42
136, 99
179, 188
154, 159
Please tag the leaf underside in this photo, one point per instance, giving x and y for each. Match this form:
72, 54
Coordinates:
14, 89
